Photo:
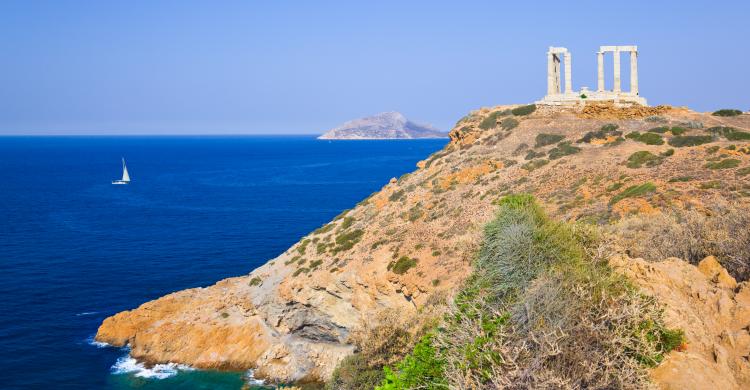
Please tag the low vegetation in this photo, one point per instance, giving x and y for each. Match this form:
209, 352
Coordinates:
523, 110
690, 140
402, 265
490, 121
730, 133
563, 149
256, 281
646, 138
634, 191
544, 139
722, 231
608, 130
541, 310
534, 164
727, 112
641, 158
724, 164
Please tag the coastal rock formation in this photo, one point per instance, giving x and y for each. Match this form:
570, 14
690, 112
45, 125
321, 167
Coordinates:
387, 125
295, 318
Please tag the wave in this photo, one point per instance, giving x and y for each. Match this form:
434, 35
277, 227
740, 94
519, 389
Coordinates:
87, 313
252, 380
128, 365
91, 341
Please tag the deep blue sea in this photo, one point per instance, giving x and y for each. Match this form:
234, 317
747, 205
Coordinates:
75, 249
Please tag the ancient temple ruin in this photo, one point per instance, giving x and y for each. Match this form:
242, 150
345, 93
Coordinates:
557, 56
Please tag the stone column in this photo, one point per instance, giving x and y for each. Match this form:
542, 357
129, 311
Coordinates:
568, 74
600, 73
558, 81
550, 73
634, 72
617, 70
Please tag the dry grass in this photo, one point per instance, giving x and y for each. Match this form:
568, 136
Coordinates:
723, 230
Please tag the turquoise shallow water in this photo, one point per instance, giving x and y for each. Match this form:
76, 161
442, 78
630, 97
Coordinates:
75, 249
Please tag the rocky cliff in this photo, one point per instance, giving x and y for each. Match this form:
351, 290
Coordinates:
387, 125
299, 315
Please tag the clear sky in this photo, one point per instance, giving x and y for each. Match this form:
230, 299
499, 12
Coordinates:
280, 67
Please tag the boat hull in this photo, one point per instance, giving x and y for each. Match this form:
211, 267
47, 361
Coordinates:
120, 182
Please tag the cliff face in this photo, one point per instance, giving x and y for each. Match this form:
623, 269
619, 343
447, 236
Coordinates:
387, 125
295, 317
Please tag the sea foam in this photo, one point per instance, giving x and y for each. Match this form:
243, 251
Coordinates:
128, 365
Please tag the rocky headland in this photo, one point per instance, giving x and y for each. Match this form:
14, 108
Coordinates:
386, 125
668, 187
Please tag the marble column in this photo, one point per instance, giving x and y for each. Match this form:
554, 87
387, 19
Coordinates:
558, 76
550, 73
600, 72
568, 74
616, 54
634, 72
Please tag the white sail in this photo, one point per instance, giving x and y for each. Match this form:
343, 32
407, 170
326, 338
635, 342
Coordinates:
125, 175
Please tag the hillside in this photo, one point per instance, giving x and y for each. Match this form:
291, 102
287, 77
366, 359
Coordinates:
386, 125
664, 187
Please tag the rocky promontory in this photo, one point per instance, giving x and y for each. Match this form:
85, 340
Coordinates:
636, 174
386, 125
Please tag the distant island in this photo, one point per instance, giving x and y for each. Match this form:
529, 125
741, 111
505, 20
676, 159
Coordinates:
387, 125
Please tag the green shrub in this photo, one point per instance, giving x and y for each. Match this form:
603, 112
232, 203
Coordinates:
677, 130
710, 185
690, 140
563, 149
490, 121
348, 221
713, 149
614, 186
324, 229
667, 153
634, 191
544, 139
303, 246
346, 241
532, 154
730, 133
523, 110
534, 164
315, 264
355, 373
396, 196
224, 315
659, 130
421, 369
508, 123
403, 264
641, 158
724, 164
743, 171
605, 131
256, 281
727, 112
646, 138
680, 179
300, 270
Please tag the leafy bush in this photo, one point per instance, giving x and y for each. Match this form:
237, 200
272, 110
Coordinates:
607, 130
730, 133
490, 121
563, 149
724, 164
659, 130
544, 139
347, 222
324, 229
300, 270
402, 265
523, 110
532, 154
634, 191
534, 164
727, 112
690, 140
346, 241
256, 281
639, 159
680, 179
508, 123
677, 130
667, 153
422, 369
646, 138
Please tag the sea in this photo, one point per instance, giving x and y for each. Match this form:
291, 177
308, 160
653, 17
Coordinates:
75, 249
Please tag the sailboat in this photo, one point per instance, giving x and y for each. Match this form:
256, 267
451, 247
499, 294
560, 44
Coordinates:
125, 176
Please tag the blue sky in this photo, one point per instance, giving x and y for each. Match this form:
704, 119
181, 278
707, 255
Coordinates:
281, 67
